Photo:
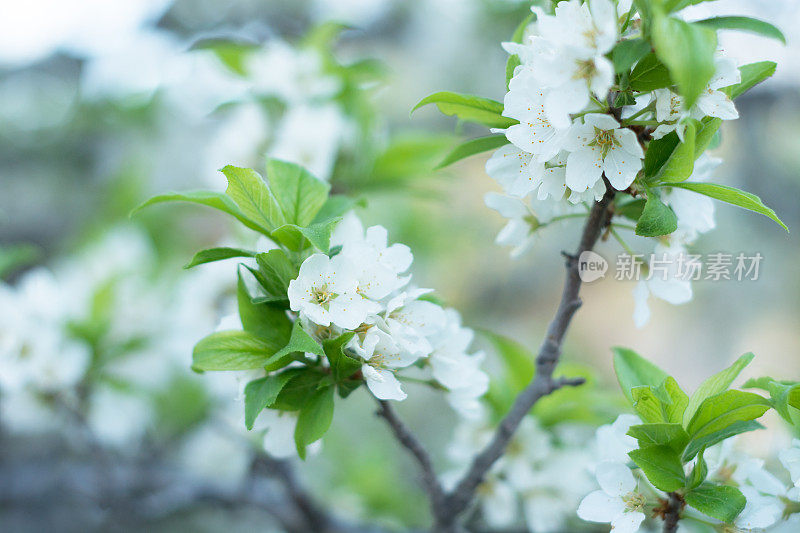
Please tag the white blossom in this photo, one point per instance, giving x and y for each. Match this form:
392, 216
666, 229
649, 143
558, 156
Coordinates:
325, 292
598, 146
617, 503
518, 231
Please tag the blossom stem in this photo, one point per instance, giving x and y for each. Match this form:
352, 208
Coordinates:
622, 242
543, 383
639, 113
641, 123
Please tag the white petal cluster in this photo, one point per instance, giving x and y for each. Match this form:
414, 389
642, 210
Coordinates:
364, 289
618, 501
528, 482
554, 158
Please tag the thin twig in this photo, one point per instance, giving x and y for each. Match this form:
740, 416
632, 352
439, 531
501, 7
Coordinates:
456, 502
417, 450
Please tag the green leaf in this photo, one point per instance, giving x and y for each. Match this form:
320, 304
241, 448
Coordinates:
299, 342
677, 5
631, 210
747, 24
342, 365
251, 194
647, 405
299, 195
695, 445
469, 108
723, 409
628, 52
715, 384
662, 466
517, 360
678, 400
783, 394
706, 131
207, 198
699, 472
722, 502
661, 434
295, 237
633, 370
314, 419
649, 74
657, 218
733, 196
472, 147
268, 323
262, 393
277, 271
298, 390
658, 152
680, 164
752, 75
688, 52
217, 254
230, 350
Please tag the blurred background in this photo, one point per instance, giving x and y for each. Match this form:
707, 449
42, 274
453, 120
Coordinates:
103, 104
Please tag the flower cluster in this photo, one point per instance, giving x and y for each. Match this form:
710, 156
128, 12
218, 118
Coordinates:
530, 475
626, 498
575, 134
364, 288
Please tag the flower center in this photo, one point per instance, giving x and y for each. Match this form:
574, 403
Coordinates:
634, 501
321, 296
585, 70
605, 139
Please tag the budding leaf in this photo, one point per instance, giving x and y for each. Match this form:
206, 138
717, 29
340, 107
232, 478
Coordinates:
647, 405
657, 218
723, 502
633, 370
469, 108
715, 384
783, 394
699, 472
733, 196
662, 466
295, 237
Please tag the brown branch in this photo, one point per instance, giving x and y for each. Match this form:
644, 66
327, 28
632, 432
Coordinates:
673, 512
415, 448
456, 502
